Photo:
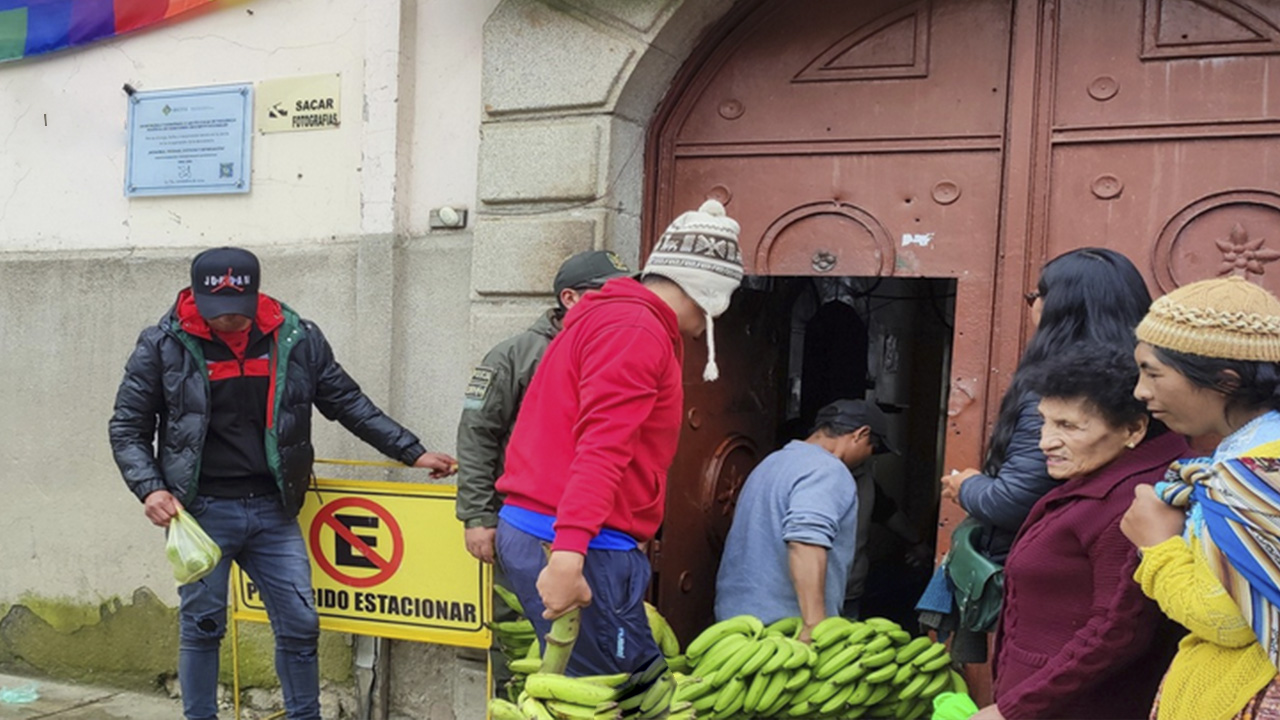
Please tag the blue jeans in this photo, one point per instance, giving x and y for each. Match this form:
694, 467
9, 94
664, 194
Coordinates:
268, 545
614, 635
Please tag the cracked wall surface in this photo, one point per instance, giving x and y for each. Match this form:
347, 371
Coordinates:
134, 644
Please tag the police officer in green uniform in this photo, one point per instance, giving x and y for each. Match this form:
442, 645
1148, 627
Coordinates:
493, 398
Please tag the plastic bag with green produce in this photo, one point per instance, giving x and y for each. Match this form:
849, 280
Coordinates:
192, 553
953, 706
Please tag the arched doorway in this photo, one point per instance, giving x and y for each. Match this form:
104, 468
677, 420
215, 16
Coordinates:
962, 142
1145, 126
786, 118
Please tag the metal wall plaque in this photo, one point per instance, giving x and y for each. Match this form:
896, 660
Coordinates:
193, 141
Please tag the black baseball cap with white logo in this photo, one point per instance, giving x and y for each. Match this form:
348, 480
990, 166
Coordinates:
853, 414
225, 281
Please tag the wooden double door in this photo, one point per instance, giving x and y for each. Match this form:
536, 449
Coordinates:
962, 139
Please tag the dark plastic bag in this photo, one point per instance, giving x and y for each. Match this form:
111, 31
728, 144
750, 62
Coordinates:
192, 553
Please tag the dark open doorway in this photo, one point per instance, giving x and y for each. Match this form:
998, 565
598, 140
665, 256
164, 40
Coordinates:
886, 340
789, 346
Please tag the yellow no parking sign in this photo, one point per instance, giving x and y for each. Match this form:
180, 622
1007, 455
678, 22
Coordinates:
388, 560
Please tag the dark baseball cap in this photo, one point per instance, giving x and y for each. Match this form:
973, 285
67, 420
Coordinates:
224, 281
590, 269
853, 414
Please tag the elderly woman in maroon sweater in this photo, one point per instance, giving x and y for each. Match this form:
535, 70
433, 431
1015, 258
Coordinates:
1077, 638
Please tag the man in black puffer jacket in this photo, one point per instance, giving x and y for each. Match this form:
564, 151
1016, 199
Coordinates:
214, 415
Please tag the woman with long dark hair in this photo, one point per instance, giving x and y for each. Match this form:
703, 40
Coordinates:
1089, 295
1209, 361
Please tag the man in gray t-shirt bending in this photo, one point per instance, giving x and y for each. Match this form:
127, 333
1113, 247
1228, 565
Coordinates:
795, 528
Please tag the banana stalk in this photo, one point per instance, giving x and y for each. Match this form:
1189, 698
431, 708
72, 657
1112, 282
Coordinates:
560, 642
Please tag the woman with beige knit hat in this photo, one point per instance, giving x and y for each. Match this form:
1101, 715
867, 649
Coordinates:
1209, 361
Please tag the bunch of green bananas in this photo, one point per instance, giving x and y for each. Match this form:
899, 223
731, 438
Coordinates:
641, 696
550, 696
514, 636
529, 664
851, 669
517, 640
519, 643
666, 639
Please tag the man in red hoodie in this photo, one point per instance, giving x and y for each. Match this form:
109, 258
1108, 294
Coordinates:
586, 467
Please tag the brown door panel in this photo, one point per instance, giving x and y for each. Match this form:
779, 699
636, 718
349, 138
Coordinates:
930, 214
828, 70
729, 427
1161, 62
1182, 210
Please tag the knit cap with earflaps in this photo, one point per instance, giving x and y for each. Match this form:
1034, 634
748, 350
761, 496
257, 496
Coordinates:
1229, 318
699, 252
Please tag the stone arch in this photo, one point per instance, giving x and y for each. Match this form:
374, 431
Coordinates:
569, 88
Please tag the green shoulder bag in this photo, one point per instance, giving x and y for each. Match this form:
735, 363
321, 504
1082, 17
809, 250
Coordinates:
978, 581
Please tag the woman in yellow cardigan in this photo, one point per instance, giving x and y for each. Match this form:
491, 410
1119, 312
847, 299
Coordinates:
1209, 360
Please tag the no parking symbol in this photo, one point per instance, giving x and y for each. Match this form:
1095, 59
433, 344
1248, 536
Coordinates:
357, 542
387, 559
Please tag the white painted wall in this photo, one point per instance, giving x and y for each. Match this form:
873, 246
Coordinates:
64, 185
339, 217
445, 126
63, 134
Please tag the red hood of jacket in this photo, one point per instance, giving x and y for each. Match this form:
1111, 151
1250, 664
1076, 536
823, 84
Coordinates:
269, 317
628, 290
599, 425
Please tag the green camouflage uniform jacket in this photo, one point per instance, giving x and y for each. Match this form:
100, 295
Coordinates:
494, 393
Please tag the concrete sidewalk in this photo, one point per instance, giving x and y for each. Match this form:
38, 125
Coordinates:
65, 701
